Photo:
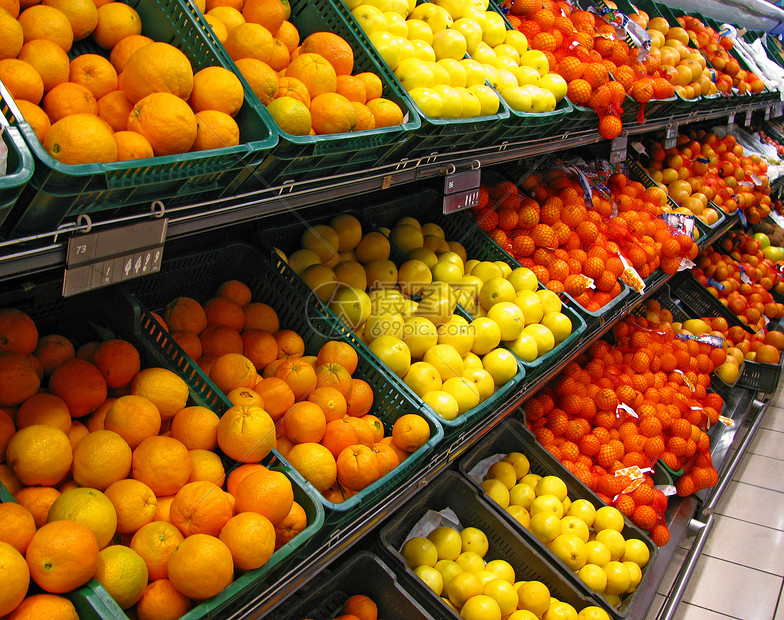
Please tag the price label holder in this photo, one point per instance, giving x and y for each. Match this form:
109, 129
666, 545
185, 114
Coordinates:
618, 149
99, 259
778, 110
767, 114
747, 120
461, 189
671, 136
731, 123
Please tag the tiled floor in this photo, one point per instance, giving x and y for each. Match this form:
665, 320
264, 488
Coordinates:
741, 571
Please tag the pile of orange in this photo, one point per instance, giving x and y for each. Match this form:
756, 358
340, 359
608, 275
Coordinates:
574, 246
640, 402
117, 479
319, 411
307, 86
140, 99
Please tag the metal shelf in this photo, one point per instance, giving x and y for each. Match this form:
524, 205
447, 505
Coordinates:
47, 250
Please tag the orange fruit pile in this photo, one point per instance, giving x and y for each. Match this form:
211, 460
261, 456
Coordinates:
308, 87
141, 99
117, 479
641, 401
320, 413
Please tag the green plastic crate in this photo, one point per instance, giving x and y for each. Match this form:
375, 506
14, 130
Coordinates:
286, 237
511, 435
199, 274
458, 227
58, 191
436, 135
299, 158
19, 168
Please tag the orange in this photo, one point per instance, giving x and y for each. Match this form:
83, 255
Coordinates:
360, 399
82, 15
332, 113
267, 492
53, 350
268, 13
365, 119
259, 347
361, 606
315, 463
340, 434
230, 17
218, 28
18, 333
251, 539
250, 41
294, 88
17, 525
333, 48
119, 362
224, 311
89, 507
37, 500
260, 316
48, 59
262, 79
238, 474
236, 4
157, 68
18, 379
357, 467
196, 427
188, 341
215, 130
134, 418
290, 343
385, 112
232, 371
280, 57
165, 120
8, 480
98, 417
22, 80
277, 395
315, 72
95, 73
201, 566
80, 384
66, 99
386, 457
410, 432
124, 48
62, 556
115, 22
298, 375
305, 422
81, 139
167, 391
402, 455
12, 7
235, 290
334, 375
44, 409
50, 606
246, 433
15, 576
206, 466
39, 454
185, 314
375, 425
162, 463
331, 401
7, 430
291, 525
100, 459
163, 510
219, 340
162, 601
123, 574
155, 542
131, 145
373, 85
216, 88
288, 35
291, 115
35, 117
85, 352
76, 433
200, 508
46, 22
352, 88
338, 352
134, 502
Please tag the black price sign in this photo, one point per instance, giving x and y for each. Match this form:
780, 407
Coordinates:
618, 149
671, 137
94, 260
461, 190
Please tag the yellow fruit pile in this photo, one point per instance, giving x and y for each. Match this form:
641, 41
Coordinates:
452, 563
143, 101
308, 89
117, 479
